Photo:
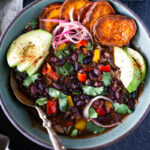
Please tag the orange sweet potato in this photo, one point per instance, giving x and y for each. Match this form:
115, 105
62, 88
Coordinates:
52, 11
114, 30
98, 9
68, 5
83, 11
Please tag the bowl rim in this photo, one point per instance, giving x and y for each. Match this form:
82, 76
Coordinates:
42, 143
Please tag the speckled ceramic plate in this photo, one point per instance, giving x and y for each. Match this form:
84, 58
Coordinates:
18, 115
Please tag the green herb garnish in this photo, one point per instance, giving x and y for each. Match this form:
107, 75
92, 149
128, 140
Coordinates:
65, 70
73, 47
94, 128
69, 129
75, 92
122, 108
74, 133
92, 91
32, 24
63, 99
81, 58
90, 46
30, 79
106, 78
92, 113
62, 53
41, 101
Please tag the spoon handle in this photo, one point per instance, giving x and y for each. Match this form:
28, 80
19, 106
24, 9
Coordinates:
52, 134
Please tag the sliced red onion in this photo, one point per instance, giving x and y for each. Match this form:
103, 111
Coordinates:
104, 126
71, 14
54, 20
87, 107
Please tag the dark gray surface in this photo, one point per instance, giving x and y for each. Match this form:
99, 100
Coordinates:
138, 140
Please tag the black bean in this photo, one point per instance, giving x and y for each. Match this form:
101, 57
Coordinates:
74, 86
58, 86
87, 60
80, 103
41, 86
97, 84
54, 59
78, 51
76, 99
117, 94
74, 57
33, 90
84, 97
91, 75
77, 66
88, 82
47, 90
96, 71
61, 61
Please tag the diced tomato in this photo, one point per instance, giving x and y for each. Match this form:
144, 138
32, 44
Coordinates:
69, 123
82, 43
51, 107
81, 77
88, 69
46, 69
105, 68
101, 111
100, 78
53, 75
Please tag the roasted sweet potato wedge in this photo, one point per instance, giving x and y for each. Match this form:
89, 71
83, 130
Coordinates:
97, 10
52, 11
83, 11
114, 30
68, 5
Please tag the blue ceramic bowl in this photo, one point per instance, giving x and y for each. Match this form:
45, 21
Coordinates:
17, 113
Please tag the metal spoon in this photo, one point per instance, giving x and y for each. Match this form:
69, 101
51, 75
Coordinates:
46, 123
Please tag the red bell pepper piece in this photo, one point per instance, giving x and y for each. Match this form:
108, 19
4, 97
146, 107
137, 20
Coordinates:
105, 68
53, 75
88, 69
51, 107
46, 69
81, 77
69, 123
82, 43
101, 111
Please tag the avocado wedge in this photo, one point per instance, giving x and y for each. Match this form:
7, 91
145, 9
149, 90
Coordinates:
139, 60
29, 50
130, 73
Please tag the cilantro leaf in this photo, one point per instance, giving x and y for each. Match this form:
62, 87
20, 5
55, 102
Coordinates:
33, 24
62, 53
73, 47
90, 46
74, 132
65, 70
30, 79
69, 129
122, 108
53, 92
81, 58
63, 102
92, 91
92, 113
41, 101
63, 99
106, 78
94, 128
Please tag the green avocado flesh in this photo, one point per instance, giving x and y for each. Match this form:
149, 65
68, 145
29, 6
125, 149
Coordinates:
29, 50
139, 60
130, 73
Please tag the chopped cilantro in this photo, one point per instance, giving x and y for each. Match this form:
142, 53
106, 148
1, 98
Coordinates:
73, 47
90, 46
30, 79
122, 108
41, 101
63, 99
94, 128
69, 129
92, 113
81, 58
92, 91
106, 78
74, 133
62, 53
65, 70
33, 24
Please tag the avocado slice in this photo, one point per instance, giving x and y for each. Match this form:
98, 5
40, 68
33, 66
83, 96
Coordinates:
29, 50
139, 60
130, 73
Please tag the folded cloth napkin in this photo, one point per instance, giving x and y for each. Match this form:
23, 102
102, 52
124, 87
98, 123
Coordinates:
8, 10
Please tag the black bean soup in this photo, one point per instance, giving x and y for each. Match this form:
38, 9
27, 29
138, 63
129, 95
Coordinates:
69, 79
